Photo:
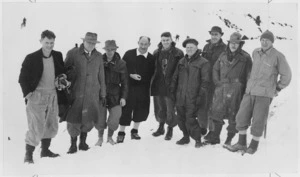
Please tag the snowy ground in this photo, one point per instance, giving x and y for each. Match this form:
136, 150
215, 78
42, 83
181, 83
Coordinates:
277, 155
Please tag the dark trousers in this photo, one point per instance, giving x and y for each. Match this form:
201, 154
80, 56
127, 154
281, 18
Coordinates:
164, 110
187, 120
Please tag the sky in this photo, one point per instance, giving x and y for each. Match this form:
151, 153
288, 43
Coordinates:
125, 22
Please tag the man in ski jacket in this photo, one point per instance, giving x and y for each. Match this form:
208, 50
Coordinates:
166, 59
262, 86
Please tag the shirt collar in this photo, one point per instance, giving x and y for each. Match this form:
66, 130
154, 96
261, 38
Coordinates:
139, 53
267, 52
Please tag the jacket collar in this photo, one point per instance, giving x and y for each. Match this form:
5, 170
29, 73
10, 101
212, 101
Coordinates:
116, 57
216, 44
267, 52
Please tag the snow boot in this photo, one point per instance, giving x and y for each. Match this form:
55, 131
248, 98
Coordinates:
184, 140
229, 138
120, 137
45, 148
73, 147
169, 134
252, 147
28, 154
100, 138
82, 145
160, 130
215, 135
241, 145
198, 143
135, 135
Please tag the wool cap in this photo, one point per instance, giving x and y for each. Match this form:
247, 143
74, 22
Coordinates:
268, 35
189, 41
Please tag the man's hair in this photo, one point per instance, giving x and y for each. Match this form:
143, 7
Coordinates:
166, 34
145, 37
48, 34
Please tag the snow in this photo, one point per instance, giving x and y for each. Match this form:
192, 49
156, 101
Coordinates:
277, 154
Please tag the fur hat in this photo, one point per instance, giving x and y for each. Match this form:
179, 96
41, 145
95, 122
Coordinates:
267, 35
189, 41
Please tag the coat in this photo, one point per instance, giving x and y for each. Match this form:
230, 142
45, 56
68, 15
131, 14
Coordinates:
211, 52
264, 75
191, 80
32, 70
145, 68
230, 79
162, 79
87, 85
116, 80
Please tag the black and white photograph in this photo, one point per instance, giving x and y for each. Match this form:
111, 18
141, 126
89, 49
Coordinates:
149, 88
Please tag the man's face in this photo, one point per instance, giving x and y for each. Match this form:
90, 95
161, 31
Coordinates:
47, 44
191, 49
233, 46
89, 46
110, 52
143, 45
265, 43
215, 37
166, 42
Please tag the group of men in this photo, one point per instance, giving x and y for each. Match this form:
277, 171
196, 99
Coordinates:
196, 91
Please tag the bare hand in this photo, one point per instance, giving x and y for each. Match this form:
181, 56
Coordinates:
135, 77
122, 102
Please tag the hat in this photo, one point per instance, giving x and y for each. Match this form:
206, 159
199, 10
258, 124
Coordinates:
216, 29
90, 37
110, 44
189, 41
235, 37
268, 35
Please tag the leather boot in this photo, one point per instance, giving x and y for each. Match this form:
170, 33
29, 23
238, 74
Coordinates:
135, 135
28, 154
45, 148
241, 145
82, 145
252, 147
184, 140
73, 147
160, 130
215, 135
120, 137
169, 134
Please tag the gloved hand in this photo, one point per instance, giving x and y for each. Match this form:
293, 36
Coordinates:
103, 101
61, 82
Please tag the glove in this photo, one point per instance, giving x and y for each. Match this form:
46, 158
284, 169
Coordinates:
61, 82
103, 101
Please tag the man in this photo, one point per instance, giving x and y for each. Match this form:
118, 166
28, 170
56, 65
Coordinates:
85, 70
166, 59
37, 80
189, 88
262, 86
230, 74
140, 66
116, 81
211, 51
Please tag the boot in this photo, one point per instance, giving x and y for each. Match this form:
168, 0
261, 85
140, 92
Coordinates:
109, 137
73, 147
215, 135
229, 138
198, 143
28, 154
135, 135
45, 149
100, 138
120, 137
241, 145
184, 140
169, 134
252, 147
82, 145
160, 130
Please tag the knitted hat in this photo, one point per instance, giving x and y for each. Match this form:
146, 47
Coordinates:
268, 35
189, 41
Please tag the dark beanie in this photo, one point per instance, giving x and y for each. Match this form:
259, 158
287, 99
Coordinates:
268, 35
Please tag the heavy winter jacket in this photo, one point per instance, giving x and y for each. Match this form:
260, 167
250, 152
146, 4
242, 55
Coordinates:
145, 68
165, 64
86, 74
230, 79
32, 70
116, 80
211, 52
191, 80
264, 75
